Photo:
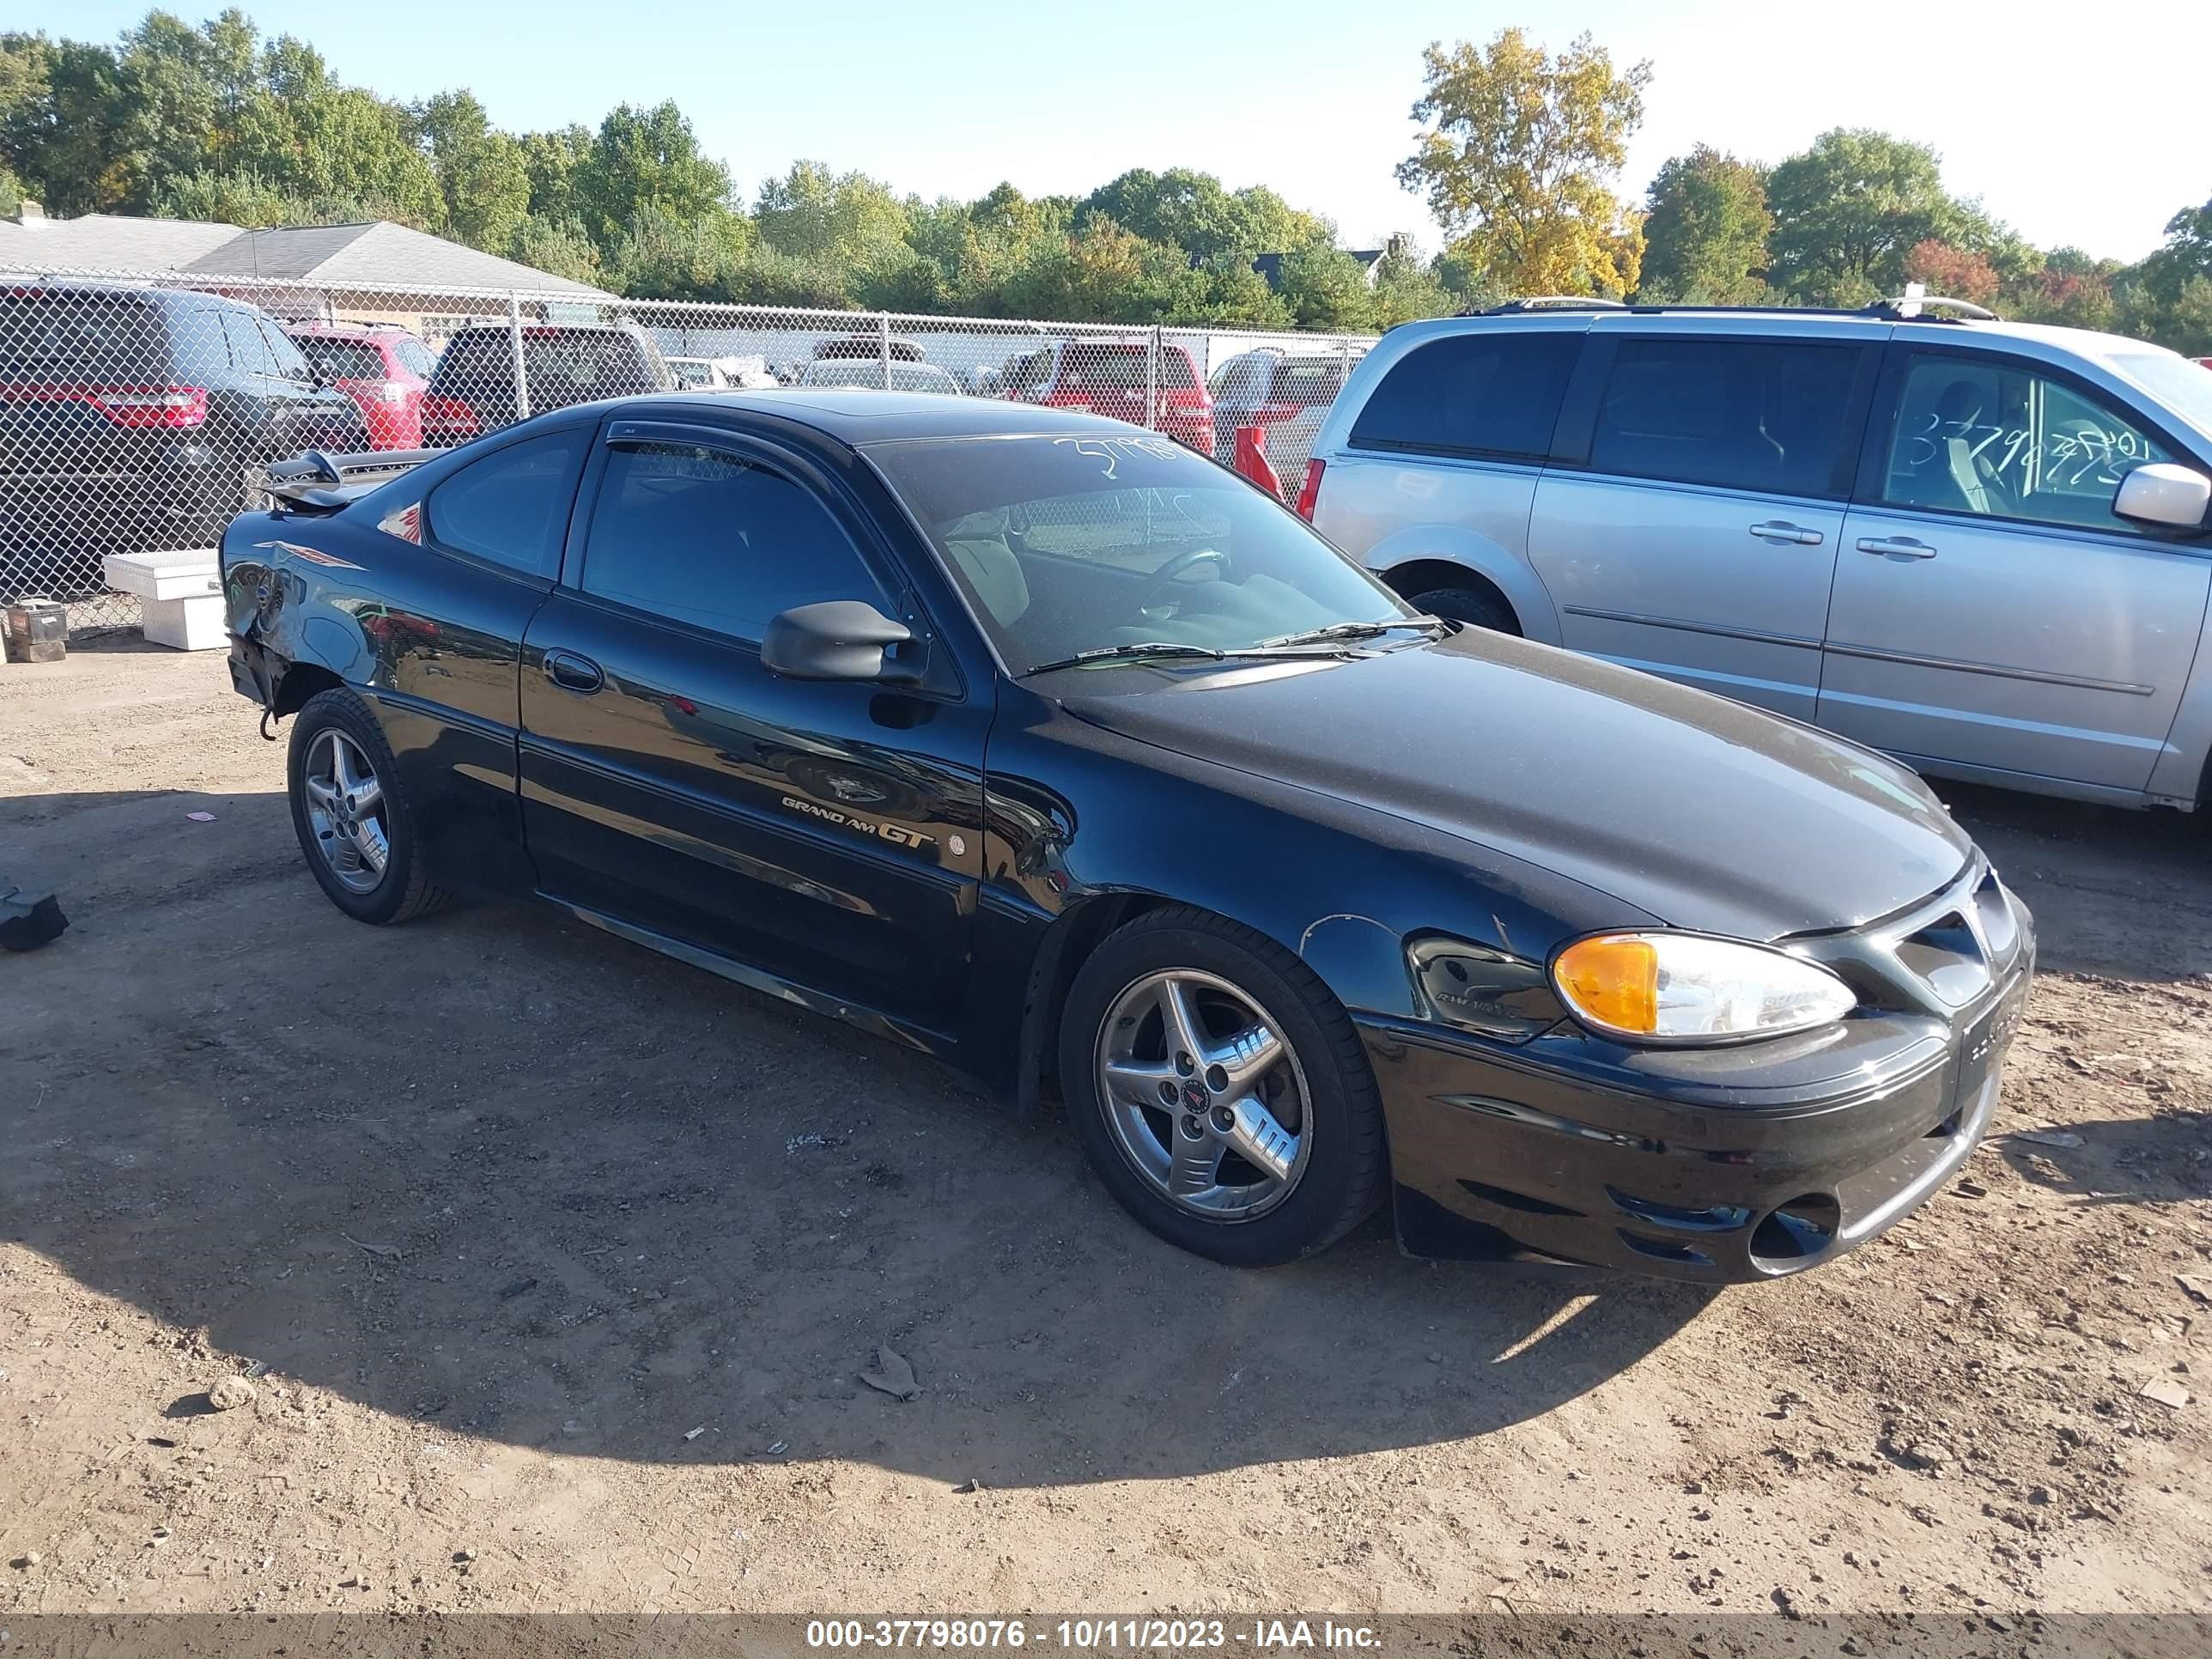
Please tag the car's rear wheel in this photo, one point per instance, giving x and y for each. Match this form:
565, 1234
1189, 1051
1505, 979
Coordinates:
1220, 1091
1468, 605
352, 815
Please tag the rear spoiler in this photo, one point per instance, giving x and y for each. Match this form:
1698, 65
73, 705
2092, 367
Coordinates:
319, 482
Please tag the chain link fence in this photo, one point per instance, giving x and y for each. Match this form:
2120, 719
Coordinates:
135, 406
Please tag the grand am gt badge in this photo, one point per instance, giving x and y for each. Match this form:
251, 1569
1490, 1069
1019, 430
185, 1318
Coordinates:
890, 832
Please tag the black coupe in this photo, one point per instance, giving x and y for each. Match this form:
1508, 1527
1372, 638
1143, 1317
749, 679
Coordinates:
1041, 743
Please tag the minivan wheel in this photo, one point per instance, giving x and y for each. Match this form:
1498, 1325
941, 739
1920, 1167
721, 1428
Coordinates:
1220, 1091
352, 815
1468, 605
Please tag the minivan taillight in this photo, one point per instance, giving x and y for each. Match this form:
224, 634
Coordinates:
169, 406
1310, 491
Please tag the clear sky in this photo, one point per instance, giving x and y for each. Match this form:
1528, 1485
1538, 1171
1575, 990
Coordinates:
2075, 123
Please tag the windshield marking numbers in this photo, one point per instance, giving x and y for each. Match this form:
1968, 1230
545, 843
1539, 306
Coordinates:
1111, 450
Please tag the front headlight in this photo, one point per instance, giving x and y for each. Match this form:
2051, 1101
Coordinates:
1687, 988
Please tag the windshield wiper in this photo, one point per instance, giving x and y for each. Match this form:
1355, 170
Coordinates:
1174, 649
1354, 630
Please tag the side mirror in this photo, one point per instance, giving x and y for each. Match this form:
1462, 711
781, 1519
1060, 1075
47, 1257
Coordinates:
2161, 493
836, 639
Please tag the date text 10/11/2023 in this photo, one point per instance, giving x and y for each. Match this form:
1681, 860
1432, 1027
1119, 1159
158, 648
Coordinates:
1090, 1635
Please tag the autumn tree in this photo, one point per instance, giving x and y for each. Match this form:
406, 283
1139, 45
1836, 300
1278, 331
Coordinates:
1706, 228
1954, 273
1516, 159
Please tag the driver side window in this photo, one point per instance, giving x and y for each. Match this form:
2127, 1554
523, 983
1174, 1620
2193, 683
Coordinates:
1999, 439
715, 539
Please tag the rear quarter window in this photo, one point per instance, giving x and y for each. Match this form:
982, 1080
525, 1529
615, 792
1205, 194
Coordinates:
1491, 394
72, 339
511, 507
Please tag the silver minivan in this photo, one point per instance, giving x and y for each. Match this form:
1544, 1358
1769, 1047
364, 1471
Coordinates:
1978, 545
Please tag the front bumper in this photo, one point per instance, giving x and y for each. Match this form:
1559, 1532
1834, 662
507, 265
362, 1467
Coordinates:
1718, 1166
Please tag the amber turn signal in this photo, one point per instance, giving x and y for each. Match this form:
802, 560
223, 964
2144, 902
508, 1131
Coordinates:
1613, 981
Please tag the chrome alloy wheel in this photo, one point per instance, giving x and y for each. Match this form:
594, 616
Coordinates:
345, 809
1206, 1099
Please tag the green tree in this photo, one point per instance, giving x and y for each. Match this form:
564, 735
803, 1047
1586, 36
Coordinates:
642, 158
1516, 158
1408, 287
556, 246
1706, 228
832, 218
249, 199
551, 159
483, 173
1325, 288
1848, 211
1193, 212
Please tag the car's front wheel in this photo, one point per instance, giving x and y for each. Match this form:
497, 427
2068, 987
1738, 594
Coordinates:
1468, 605
352, 815
1220, 1091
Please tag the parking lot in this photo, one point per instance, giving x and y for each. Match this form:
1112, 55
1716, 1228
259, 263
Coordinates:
557, 1265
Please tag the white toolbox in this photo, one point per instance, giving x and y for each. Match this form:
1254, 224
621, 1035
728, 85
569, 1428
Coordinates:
180, 592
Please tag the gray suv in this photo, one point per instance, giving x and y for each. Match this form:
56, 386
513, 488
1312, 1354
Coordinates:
1980, 546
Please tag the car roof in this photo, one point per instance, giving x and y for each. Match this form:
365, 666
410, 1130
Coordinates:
856, 415
343, 331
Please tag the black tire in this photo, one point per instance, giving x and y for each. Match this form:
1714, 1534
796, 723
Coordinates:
405, 890
1468, 605
1344, 1177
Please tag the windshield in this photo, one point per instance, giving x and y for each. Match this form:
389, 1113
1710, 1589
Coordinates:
2183, 386
1068, 544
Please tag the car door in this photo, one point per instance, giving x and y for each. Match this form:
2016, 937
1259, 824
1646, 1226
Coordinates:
1689, 521
1990, 613
823, 831
439, 631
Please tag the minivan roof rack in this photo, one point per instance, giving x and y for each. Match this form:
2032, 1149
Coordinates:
1910, 307
1548, 302
1904, 308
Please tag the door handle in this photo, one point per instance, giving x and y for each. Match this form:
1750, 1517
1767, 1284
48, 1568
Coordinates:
1896, 547
573, 673
1780, 530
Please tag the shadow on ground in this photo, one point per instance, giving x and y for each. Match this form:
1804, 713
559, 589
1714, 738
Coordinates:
496, 1172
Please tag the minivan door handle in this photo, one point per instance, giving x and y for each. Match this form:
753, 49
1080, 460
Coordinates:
1896, 547
573, 673
1780, 530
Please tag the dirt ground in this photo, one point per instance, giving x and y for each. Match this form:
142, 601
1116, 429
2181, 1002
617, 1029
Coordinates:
554, 1264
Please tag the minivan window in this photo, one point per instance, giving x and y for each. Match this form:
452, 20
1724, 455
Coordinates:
512, 506
71, 337
1490, 392
1761, 415
284, 357
249, 352
1997, 438
711, 538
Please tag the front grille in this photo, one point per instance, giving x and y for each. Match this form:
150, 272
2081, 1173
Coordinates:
1937, 956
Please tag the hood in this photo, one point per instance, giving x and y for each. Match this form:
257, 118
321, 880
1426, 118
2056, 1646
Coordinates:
1708, 814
